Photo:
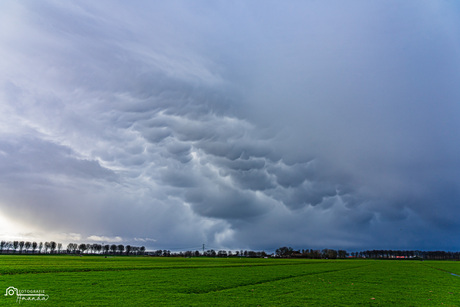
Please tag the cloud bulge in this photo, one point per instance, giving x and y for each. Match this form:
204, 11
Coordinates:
249, 125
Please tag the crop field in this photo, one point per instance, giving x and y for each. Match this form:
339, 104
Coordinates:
147, 281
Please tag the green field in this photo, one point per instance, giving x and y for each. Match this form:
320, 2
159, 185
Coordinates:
146, 281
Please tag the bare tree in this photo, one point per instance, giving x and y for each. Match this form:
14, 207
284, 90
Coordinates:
97, 248
40, 247
15, 245
82, 247
47, 247
53, 246
21, 246
8, 246
113, 248
72, 248
34, 246
27, 246
121, 248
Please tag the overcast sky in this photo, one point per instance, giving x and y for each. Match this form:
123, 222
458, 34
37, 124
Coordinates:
238, 124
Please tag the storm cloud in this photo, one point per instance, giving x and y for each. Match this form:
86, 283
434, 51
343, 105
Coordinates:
238, 125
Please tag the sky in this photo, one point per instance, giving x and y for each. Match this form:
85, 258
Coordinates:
234, 124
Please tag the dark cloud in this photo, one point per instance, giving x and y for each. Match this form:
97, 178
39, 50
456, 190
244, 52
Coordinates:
249, 125
26, 157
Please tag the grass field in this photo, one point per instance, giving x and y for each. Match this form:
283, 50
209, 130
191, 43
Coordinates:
139, 281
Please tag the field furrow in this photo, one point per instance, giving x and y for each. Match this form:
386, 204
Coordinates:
274, 280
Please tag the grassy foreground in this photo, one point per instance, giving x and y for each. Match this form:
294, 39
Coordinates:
139, 281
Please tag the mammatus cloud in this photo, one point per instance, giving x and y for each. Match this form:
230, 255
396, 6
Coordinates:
251, 125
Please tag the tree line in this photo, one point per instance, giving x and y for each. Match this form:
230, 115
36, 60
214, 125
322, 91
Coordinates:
407, 254
209, 253
289, 252
27, 247
52, 247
